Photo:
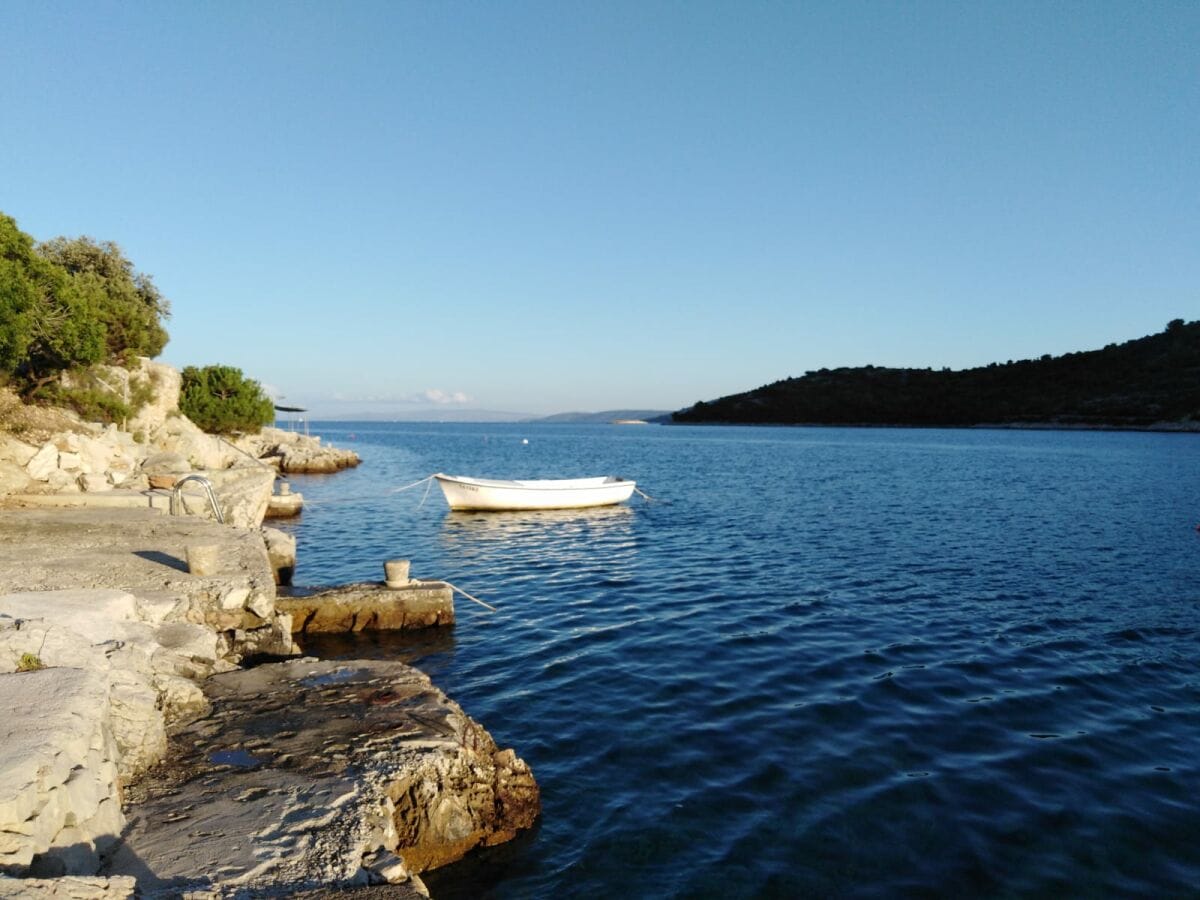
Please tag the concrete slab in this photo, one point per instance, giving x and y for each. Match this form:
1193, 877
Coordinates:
144, 553
114, 499
370, 607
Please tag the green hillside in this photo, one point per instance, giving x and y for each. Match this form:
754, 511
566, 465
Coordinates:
1150, 381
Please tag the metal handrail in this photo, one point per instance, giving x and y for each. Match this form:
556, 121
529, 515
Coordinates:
177, 503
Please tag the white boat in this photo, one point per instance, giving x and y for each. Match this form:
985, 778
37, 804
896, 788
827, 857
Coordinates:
568, 493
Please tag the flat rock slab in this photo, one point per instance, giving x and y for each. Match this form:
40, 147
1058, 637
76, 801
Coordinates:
145, 553
67, 888
126, 549
310, 774
370, 607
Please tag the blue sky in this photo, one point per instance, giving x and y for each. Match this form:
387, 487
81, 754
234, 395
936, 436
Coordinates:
555, 206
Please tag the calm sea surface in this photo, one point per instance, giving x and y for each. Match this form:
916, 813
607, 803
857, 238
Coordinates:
829, 662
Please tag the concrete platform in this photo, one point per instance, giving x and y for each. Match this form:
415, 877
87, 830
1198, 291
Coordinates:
284, 506
370, 607
114, 499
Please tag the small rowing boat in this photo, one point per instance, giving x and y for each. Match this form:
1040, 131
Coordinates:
567, 493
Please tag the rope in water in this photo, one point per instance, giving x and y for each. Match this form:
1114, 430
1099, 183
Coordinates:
409, 487
469, 597
367, 497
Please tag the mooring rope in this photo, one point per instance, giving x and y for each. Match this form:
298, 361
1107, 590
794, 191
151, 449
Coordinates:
646, 496
464, 593
428, 488
409, 487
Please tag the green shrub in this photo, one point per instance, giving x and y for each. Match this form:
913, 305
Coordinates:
92, 403
71, 302
221, 400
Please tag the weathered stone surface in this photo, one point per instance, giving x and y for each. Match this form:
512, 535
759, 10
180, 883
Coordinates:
143, 551
58, 773
74, 887
92, 483
370, 607
166, 382
97, 631
281, 551
166, 463
13, 477
291, 451
62, 481
42, 463
311, 772
16, 450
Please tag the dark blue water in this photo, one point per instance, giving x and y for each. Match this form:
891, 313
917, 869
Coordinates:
829, 663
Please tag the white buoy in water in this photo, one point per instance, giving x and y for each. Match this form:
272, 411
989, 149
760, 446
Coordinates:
524, 440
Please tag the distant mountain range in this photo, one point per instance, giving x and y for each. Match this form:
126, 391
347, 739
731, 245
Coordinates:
605, 418
432, 414
1152, 381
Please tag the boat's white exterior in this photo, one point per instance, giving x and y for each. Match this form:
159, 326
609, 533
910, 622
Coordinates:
571, 493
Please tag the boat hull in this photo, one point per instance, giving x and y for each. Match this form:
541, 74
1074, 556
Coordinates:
464, 493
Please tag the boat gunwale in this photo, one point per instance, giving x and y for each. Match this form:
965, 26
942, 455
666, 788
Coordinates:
545, 484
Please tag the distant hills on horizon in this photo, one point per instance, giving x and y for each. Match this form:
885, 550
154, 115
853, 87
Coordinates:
604, 418
491, 416
1153, 381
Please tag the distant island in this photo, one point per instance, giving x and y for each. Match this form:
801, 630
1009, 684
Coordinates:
608, 417
1150, 382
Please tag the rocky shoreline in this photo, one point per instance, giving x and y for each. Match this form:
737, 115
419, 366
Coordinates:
141, 755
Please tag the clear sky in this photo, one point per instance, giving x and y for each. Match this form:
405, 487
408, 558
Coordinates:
556, 206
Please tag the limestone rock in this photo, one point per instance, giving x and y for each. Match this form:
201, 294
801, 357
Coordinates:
42, 463
93, 483
186, 650
180, 436
281, 551
58, 773
309, 773
15, 450
166, 463
96, 631
96, 454
243, 493
75, 887
137, 722
166, 382
182, 699
142, 551
14, 479
290, 451
61, 481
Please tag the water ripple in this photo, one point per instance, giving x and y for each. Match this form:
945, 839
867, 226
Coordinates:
837, 662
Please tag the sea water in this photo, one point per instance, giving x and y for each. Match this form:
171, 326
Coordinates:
825, 662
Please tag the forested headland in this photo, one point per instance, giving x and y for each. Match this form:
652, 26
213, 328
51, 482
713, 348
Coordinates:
1149, 382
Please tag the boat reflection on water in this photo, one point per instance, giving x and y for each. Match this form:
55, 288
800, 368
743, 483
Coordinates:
536, 526
600, 538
